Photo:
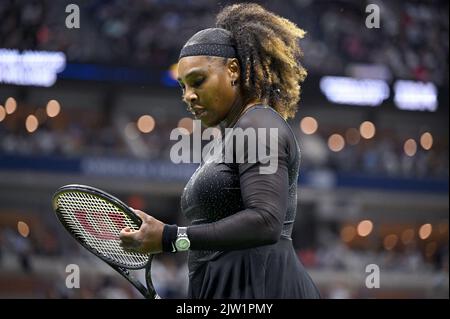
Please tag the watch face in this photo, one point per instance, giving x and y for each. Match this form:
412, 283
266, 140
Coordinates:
182, 243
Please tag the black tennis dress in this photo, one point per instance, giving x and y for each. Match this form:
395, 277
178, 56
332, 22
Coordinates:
242, 219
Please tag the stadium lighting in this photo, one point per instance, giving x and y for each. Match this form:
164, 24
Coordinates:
367, 130
10, 105
346, 90
364, 228
186, 123
39, 68
2, 113
410, 147
23, 229
53, 108
336, 142
426, 141
146, 123
415, 96
308, 125
425, 231
31, 123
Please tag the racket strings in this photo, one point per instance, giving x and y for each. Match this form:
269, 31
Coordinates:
97, 223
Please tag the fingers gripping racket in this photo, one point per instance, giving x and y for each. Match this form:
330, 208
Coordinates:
95, 218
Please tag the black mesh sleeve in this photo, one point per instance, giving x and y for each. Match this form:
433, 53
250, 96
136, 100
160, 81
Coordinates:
265, 196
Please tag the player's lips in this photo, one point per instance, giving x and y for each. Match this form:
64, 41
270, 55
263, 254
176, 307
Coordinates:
199, 112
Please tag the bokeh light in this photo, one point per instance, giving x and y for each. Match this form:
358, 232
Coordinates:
426, 141
146, 123
31, 123
367, 130
10, 105
364, 228
410, 147
309, 125
53, 108
23, 229
425, 231
336, 142
186, 123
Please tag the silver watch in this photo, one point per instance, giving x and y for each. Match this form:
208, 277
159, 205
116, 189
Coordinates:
182, 243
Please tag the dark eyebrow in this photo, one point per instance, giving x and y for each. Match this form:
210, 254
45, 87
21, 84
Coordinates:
192, 72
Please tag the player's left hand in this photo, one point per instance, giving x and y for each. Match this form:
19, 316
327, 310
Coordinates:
147, 239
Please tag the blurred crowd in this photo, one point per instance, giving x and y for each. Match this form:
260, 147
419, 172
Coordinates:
75, 133
40, 262
72, 133
383, 155
412, 41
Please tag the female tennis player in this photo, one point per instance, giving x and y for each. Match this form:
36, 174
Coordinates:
243, 75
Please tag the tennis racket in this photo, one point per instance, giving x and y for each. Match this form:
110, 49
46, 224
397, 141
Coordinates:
95, 218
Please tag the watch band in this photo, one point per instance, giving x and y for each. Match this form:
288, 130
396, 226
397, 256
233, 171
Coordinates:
182, 243
169, 237
182, 232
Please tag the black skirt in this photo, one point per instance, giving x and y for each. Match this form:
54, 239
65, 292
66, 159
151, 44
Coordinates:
271, 271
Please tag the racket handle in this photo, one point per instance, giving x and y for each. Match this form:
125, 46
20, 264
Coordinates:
148, 278
147, 293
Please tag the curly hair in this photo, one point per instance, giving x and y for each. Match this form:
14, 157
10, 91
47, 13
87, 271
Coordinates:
268, 53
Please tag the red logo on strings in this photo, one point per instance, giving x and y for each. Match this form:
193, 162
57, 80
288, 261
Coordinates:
98, 225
